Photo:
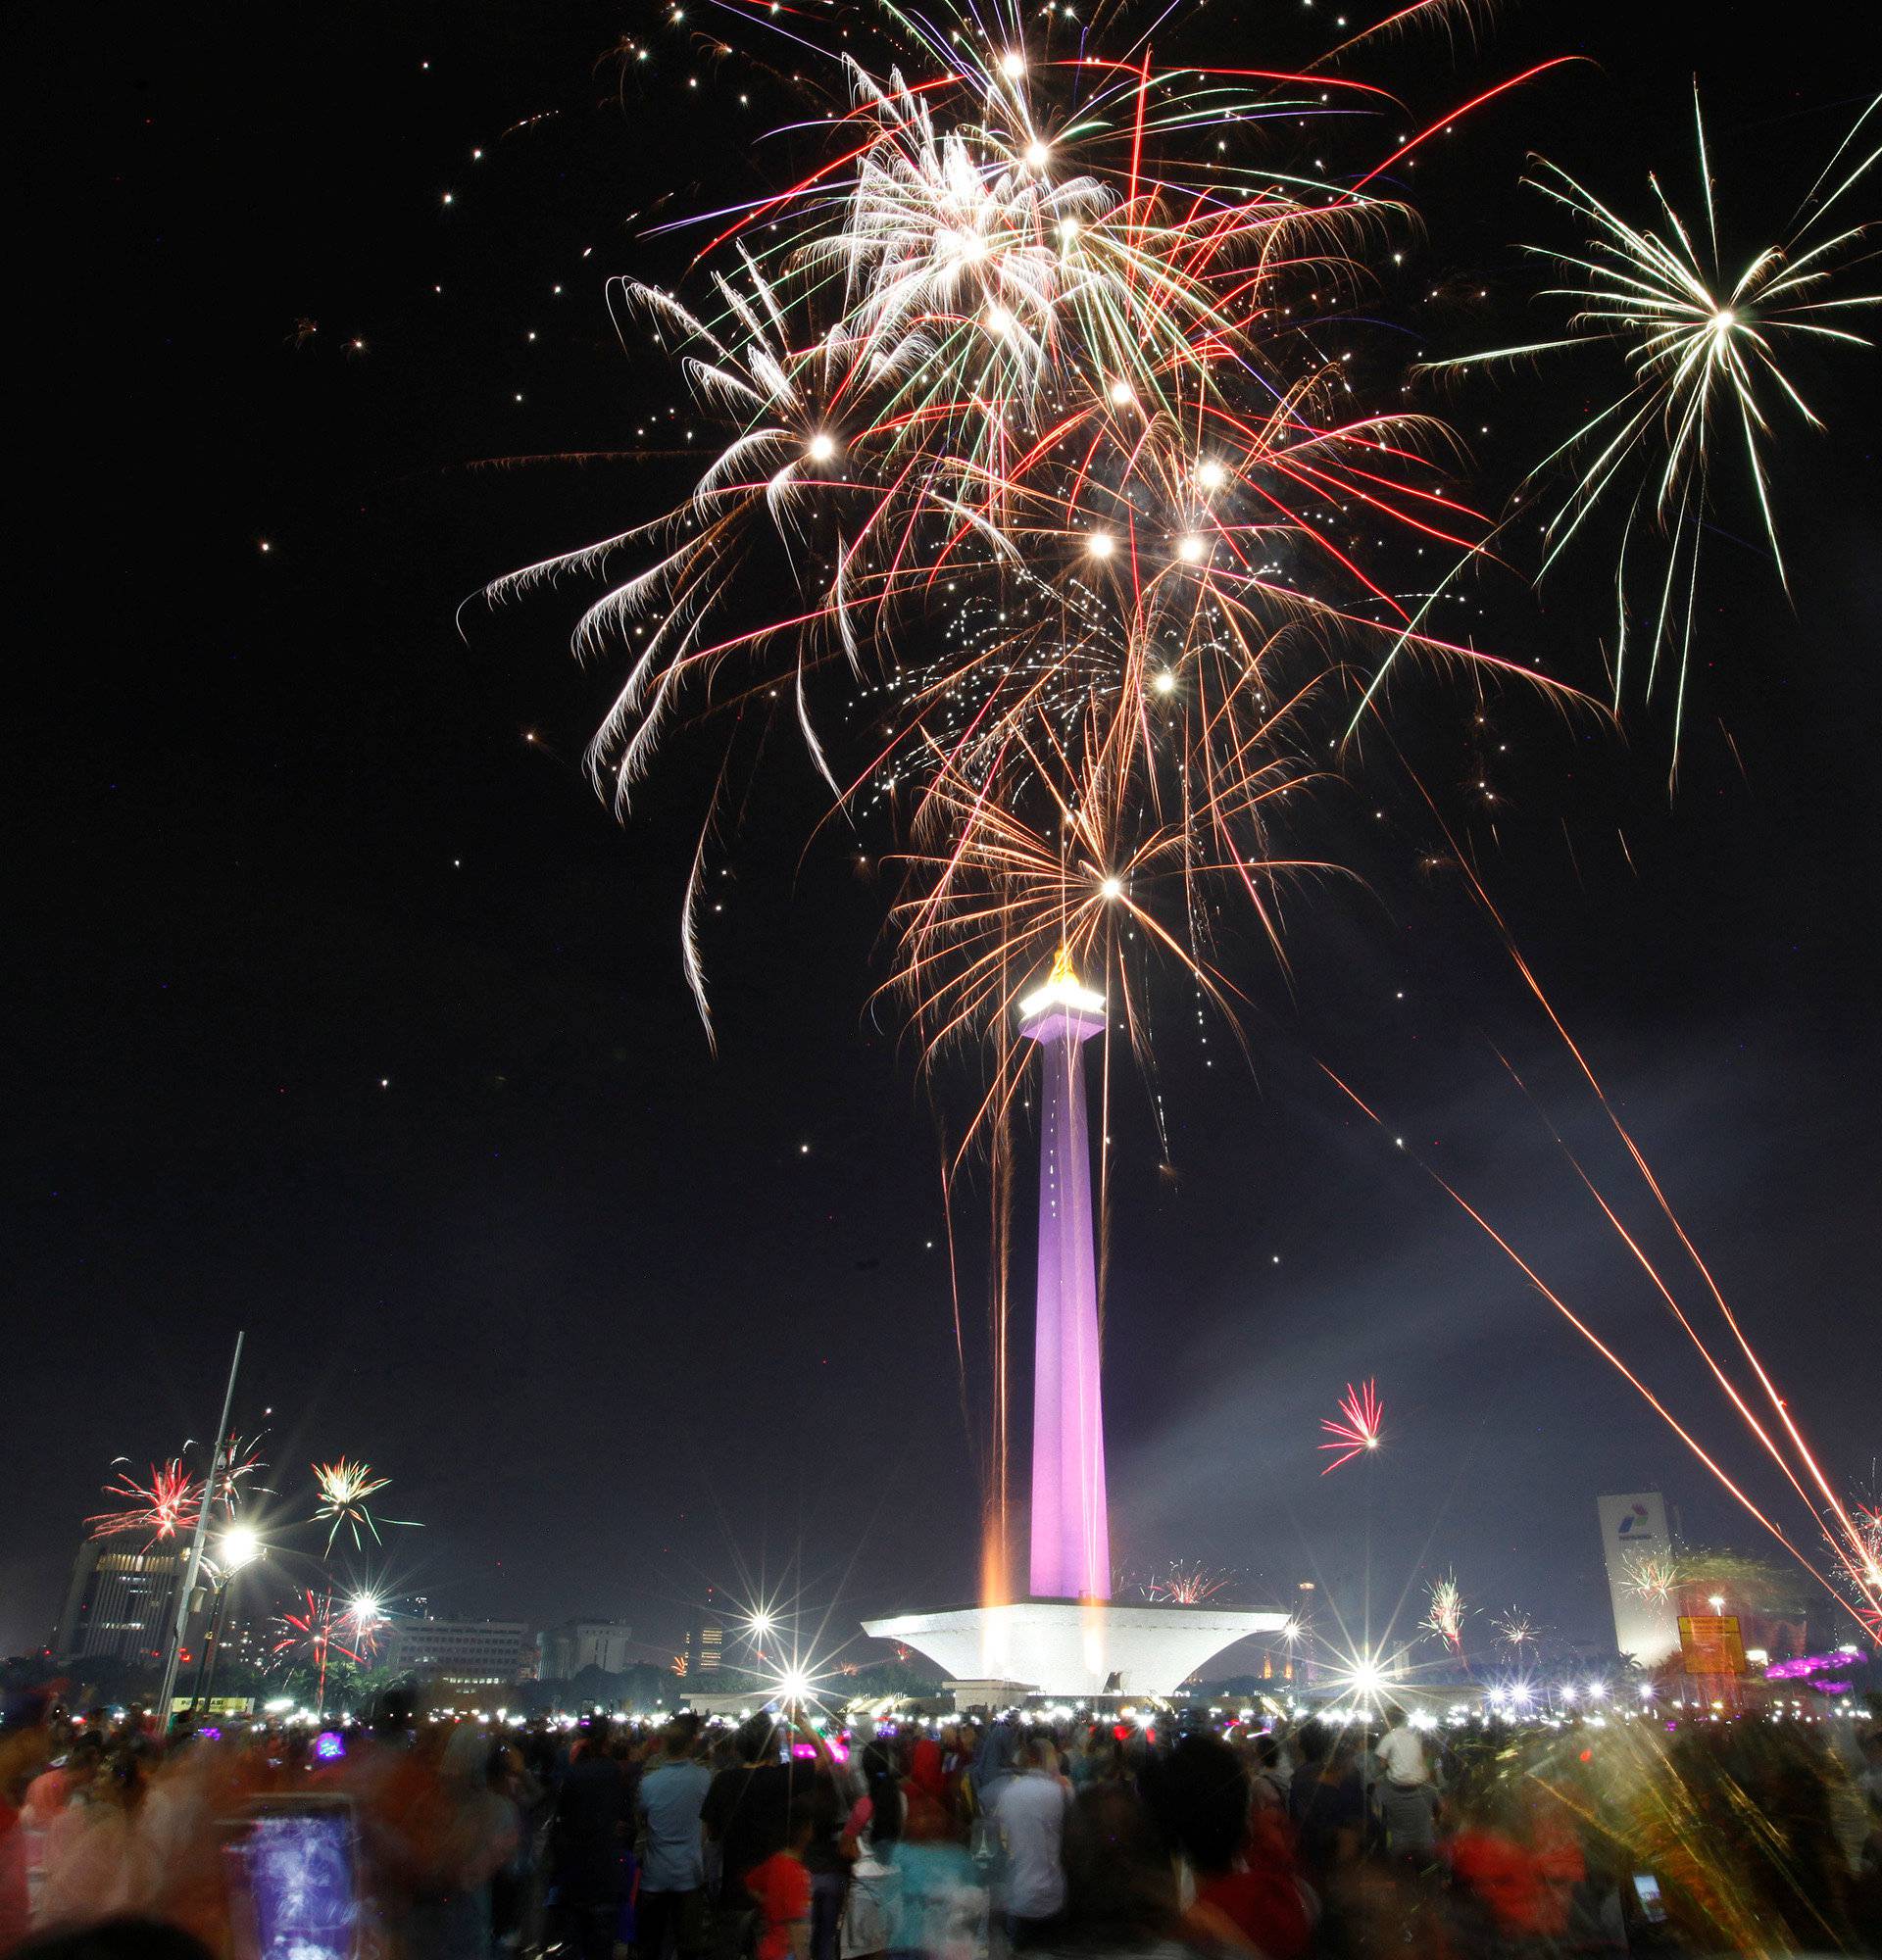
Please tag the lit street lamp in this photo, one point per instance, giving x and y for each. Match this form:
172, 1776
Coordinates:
238, 1546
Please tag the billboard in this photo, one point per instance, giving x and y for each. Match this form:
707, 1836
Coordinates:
1712, 1644
1633, 1539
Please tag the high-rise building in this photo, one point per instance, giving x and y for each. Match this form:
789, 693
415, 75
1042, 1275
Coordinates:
458, 1653
705, 1648
567, 1649
121, 1602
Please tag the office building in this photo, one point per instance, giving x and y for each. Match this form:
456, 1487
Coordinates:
458, 1653
120, 1604
705, 1648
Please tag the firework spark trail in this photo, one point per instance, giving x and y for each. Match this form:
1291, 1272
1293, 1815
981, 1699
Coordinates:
1608, 1354
1356, 1429
1843, 1533
1848, 1546
1701, 344
1860, 1587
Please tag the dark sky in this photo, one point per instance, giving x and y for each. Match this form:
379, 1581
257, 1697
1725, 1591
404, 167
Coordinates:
572, 1279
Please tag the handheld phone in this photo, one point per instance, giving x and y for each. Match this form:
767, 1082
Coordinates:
295, 1875
1652, 1908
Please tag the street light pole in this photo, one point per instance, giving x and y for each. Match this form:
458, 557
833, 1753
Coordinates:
179, 1626
212, 1639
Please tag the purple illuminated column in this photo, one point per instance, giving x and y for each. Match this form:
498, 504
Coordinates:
1070, 1531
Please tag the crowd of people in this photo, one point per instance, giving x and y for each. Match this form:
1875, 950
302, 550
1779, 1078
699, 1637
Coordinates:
787, 1839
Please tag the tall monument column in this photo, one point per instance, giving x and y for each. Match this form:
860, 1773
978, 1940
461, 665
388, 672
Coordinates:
1070, 1529
1067, 1639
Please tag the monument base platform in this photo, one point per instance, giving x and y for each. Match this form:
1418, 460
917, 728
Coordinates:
1072, 1651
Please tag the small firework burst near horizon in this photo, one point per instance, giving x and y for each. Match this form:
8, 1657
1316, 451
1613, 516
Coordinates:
1355, 1429
318, 1634
1186, 1584
1516, 1630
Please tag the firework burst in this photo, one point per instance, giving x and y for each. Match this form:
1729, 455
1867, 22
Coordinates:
313, 1632
1703, 338
318, 1634
1652, 1575
237, 1463
163, 1506
1356, 1428
1867, 1535
1516, 1630
1042, 494
1859, 1562
1024, 393
1187, 1585
1447, 1613
363, 1620
343, 1489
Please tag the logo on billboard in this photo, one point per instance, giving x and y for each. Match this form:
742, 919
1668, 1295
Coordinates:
1634, 1523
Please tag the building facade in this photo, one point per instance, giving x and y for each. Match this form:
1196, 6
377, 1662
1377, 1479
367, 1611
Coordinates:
121, 1603
1637, 1551
459, 1654
705, 1651
567, 1649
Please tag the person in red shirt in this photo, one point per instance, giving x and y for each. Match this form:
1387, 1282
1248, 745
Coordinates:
781, 1888
1523, 1868
1248, 1896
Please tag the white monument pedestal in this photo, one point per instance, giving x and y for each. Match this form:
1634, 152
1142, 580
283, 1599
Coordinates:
1071, 1650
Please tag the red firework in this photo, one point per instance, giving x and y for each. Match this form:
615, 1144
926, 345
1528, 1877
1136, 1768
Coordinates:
164, 1508
315, 1633
318, 1635
1356, 1429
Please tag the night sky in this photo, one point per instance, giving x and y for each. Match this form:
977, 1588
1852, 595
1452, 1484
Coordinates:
342, 1011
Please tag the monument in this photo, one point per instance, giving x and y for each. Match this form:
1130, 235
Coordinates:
1066, 1640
